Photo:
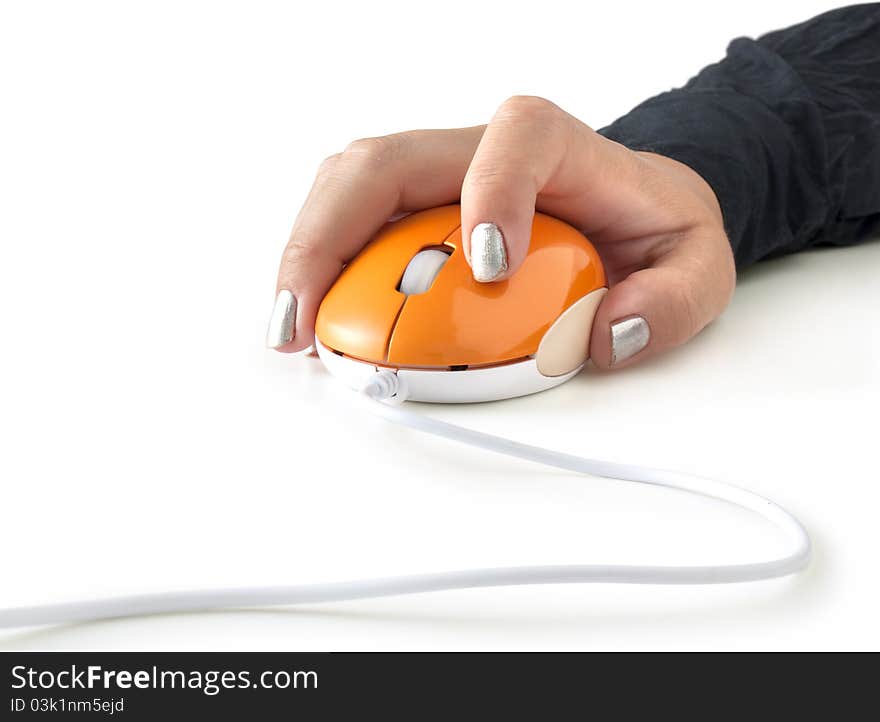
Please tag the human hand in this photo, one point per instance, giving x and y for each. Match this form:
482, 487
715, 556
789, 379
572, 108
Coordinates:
654, 221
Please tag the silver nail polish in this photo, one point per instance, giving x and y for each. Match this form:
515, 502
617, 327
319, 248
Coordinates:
628, 337
282, 325
488, 254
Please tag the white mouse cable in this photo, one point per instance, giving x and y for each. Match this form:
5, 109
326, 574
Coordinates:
386, 386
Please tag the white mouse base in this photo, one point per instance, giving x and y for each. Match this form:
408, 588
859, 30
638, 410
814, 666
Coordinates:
449, 387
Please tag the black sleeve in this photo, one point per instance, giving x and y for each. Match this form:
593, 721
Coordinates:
786, 130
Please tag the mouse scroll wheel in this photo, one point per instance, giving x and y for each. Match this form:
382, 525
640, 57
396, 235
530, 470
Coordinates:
421, 271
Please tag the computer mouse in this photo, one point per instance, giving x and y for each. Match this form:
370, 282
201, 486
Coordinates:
409, 303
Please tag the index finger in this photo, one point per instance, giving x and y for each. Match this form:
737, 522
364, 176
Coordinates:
354, 194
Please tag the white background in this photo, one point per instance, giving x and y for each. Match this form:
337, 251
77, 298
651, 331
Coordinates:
153, 158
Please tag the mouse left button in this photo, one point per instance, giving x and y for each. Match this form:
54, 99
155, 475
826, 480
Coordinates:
359, 311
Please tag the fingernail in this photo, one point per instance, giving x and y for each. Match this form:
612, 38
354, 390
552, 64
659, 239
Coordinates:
628, 337
488, 254
282, 325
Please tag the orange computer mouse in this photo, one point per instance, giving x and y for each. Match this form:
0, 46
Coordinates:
408, 302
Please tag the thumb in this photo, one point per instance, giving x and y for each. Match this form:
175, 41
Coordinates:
663, 306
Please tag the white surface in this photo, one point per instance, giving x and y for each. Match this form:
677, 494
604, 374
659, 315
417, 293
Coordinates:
379, 394
151, 171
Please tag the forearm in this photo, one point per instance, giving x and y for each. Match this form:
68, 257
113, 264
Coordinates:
785, 129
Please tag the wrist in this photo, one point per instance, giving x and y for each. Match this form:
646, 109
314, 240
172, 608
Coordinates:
688, 177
